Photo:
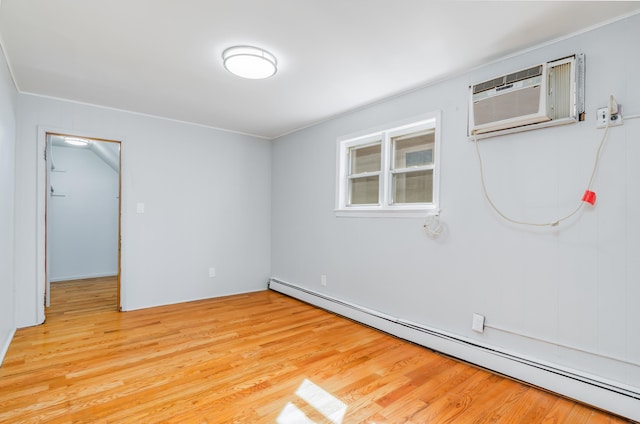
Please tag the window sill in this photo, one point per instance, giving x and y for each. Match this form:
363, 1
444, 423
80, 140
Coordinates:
421, 212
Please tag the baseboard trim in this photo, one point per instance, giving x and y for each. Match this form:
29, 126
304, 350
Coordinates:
5, 344
608, 395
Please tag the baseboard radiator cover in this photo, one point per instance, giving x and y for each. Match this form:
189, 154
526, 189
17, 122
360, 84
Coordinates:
608, 395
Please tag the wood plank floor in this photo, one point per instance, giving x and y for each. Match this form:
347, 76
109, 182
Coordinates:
254, 358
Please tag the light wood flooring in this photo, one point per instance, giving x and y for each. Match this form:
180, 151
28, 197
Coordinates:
254, 358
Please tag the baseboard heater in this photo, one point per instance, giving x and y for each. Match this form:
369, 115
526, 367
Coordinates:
608, 395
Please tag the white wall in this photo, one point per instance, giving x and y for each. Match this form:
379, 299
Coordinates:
8, 106
207, 204
83, 215
578, 284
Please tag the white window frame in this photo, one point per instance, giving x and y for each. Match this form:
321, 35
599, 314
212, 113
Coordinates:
362, 142
384, 135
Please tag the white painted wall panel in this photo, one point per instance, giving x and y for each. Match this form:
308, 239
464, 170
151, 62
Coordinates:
577, 284
207, 198
8, 106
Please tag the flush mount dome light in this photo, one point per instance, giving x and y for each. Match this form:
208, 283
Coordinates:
249, 62
75, 141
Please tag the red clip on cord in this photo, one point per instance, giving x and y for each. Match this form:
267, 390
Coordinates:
589, 197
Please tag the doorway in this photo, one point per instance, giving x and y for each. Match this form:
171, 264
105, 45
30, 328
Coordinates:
82, 211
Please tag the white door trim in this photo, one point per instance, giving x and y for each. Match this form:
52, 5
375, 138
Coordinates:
41, 193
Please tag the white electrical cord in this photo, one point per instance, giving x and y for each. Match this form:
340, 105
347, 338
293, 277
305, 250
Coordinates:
541, 224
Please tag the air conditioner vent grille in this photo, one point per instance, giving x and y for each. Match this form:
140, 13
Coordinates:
560, 82
526, 74
488, 85
508, 79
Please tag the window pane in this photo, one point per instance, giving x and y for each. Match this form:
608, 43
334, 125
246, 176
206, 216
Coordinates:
413, 187
364, 191
365, 159
413, 149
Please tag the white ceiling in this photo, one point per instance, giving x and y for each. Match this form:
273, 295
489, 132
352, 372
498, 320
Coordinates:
163, 58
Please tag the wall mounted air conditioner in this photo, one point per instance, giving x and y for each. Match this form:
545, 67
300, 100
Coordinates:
547, 94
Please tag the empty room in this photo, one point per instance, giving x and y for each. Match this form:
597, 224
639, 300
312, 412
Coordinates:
304, 211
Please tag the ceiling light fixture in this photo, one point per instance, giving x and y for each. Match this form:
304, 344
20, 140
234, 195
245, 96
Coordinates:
75, 141
249, 62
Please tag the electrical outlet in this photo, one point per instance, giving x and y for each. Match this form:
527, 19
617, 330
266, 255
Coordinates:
323, 280
478, 323
212, 272
604, 117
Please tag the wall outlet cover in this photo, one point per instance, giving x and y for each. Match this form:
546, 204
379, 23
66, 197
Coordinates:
604, 117
478, 323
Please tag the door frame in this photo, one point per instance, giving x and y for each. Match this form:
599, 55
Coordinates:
42, 278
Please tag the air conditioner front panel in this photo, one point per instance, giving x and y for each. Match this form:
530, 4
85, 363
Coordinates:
544, 95
502, 111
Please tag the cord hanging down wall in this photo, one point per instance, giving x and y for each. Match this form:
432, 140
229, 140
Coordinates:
589, 196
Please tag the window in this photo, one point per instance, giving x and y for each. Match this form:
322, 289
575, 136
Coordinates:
364, 174
393, 171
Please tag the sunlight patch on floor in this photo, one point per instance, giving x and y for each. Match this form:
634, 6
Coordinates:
322, 401
292, 415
